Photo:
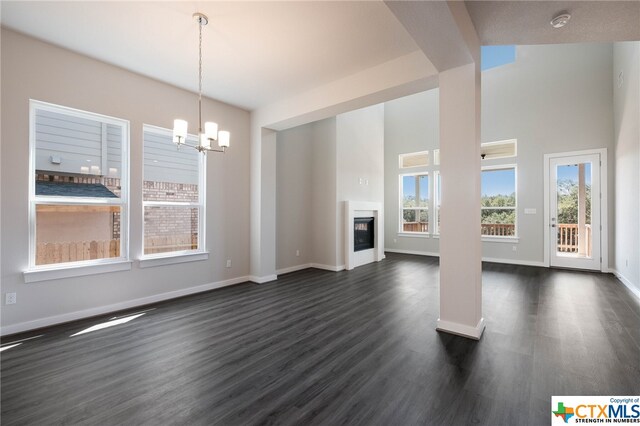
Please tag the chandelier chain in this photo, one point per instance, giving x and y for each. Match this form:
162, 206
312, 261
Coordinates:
200, 75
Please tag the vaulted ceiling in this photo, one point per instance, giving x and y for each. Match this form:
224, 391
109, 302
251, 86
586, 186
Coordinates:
258, 53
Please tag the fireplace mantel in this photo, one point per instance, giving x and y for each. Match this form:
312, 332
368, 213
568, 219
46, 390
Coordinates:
355, 209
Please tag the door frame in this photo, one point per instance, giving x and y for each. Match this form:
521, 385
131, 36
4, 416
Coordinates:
604, 204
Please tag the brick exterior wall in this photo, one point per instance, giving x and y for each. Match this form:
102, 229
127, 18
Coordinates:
158, 221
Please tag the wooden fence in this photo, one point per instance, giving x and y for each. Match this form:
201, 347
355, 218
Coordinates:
74, 251
47, 253
173, 243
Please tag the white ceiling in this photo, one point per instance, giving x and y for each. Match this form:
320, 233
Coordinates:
254, 52
257, 53
527, 22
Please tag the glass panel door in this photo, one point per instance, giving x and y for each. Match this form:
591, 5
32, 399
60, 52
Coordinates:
575, 212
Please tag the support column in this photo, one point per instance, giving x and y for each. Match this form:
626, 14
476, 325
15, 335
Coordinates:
460, 244
263, 205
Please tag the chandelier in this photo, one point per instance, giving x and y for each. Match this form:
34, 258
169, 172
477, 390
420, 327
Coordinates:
210, 133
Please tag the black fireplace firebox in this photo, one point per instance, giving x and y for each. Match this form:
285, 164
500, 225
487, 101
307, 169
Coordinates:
363, 234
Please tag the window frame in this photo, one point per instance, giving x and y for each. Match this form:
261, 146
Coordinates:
85, 267
401, 210
178, 256
515, 236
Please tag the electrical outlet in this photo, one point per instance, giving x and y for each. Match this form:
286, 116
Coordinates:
514, 248
297, 252
228, 263
395, 241
10, 298
626, 263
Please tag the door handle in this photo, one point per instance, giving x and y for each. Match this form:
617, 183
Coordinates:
553, 225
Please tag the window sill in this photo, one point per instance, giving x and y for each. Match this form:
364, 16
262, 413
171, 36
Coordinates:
500, 239
171, 259
414, 235
49, 272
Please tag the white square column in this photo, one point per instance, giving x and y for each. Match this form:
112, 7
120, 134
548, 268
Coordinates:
460, 243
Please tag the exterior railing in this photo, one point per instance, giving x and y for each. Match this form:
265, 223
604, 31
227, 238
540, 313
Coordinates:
498, 229
568, 238
415, 227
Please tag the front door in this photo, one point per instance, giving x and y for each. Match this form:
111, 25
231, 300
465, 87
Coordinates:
574, 222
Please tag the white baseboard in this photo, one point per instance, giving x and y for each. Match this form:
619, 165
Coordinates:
416, 252
86, 313
262, 280
293, 268
514, 261
484, 259
310, 265
627, 283
332, 268
461, 329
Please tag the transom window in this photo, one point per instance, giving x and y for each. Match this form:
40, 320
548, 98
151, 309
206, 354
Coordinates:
79, 188
414, 159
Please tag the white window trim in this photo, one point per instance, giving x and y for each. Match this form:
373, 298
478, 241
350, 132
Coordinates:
75, 269
497, 238
405, 234
182, 256
401, 231
172, 258
87, 267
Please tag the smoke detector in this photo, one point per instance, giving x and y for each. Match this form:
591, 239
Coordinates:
560, 20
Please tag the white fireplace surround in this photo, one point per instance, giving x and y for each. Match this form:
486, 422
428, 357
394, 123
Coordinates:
354, 209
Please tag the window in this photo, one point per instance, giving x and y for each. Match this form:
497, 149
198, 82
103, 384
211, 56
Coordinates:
495, 56
414, 159
499, 201
500, 149
414, 211
78, 188
173, 195
438, 191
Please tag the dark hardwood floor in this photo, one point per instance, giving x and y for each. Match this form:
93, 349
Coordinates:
329, 348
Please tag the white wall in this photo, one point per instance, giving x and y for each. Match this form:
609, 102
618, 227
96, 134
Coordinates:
35, 70
293, 196
554, 98
324, 190
360, 170
626, 60
411, 124
306, 196
319, 166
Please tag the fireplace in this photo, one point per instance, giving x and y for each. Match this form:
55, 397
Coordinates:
363, 233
